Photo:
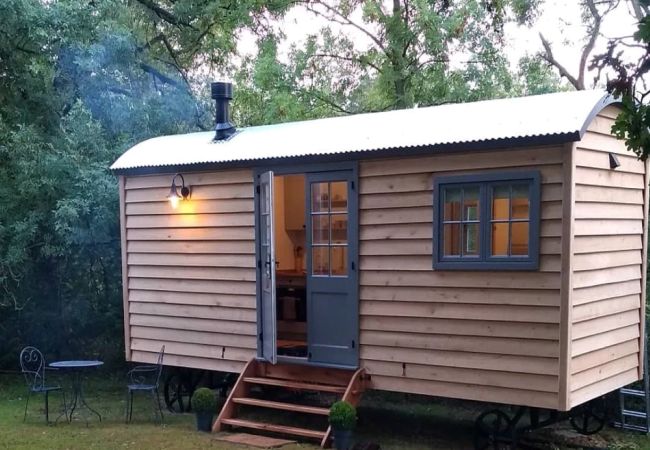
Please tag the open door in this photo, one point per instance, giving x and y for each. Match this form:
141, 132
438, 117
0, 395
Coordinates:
268, 335
332, 279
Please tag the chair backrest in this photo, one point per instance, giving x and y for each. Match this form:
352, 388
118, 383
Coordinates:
32, 366
161, 355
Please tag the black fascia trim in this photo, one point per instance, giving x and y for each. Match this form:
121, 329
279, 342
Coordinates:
600, 105
505, 144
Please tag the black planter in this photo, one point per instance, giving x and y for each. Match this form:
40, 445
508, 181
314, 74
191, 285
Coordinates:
342, 439
204, 421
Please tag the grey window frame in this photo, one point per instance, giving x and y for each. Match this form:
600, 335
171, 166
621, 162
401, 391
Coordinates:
486, 182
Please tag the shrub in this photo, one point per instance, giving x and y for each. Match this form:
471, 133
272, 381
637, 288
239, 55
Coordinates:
343, 416
203, 400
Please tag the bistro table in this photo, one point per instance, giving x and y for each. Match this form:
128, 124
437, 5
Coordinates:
76, 369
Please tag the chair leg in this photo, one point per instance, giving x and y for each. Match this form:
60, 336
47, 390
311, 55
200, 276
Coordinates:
126, 411
29, 394
131, 409
65, 406
47, 407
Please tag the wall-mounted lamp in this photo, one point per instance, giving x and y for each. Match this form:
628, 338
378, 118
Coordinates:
174, 196
613, 161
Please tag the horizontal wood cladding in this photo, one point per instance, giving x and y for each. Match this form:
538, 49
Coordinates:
489, 335
191, 270
607, 264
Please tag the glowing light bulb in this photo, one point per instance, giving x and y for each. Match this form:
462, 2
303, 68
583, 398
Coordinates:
173, 200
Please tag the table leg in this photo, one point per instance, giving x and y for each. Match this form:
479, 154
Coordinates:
78, 398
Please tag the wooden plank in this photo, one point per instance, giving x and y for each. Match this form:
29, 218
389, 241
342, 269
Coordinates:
396, 215
598, 177
544, 331
240, 389
566, 286
206, 286
604, 227
187, 248
542, 383
606, 276
601, 324
603, 387
600, 160
531, 314
125, 276
193, 298
602, 340
644, 271
490, 296
212, 192
603, 371
506, 363
474, 344
282, 429
601, 124
602, 308
609, 352
492, 394
210, 325
193, 234
191, 179
237, 267
196, 207
194, 337
595, 244
526, 156
610, 111
602, 292
602, 260
191, 220
306, 373
352, 395
547, 263
403, 200
297, 385
192, 311
602, 194
593, 210
411, 247
603, 143
217, 365
506, 280
281, 406
195, 350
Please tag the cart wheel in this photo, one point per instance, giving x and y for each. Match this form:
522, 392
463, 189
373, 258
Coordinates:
177, 399
493, 431
589, 418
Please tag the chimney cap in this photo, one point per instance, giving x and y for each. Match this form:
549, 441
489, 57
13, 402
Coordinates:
221, 90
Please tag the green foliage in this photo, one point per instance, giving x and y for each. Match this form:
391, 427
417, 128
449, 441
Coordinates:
203, 400
343, 416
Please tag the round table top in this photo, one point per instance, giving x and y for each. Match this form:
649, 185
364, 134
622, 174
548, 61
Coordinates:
76, 364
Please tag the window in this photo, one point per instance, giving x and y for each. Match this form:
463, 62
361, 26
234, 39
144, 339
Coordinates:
487, 221
329, 223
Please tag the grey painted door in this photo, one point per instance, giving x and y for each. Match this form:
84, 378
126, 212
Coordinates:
332, 300
268, 335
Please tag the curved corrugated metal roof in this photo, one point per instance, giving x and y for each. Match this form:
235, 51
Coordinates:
564, 115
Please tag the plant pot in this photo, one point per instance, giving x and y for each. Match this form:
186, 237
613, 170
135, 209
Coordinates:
204, 421
342, 439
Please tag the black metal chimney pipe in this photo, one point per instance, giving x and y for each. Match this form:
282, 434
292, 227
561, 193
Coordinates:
222, 94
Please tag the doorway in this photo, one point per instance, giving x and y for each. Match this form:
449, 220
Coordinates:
307, 268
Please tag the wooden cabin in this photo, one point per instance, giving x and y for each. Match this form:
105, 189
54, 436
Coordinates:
493, 251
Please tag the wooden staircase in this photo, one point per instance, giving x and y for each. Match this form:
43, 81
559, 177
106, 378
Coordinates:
341, 384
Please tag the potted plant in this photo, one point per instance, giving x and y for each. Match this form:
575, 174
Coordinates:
204, 405
343, 419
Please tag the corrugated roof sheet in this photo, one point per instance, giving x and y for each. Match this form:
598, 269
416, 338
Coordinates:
562, 114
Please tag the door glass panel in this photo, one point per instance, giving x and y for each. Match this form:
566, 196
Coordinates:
320, 260
320, 229
320, 197
501, 203
451, 238
339, 196
500, 239
339, 261
339, 228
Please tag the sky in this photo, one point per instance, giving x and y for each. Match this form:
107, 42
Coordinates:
560, 22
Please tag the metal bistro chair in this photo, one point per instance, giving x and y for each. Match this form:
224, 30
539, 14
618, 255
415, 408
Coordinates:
32, 366
145, 379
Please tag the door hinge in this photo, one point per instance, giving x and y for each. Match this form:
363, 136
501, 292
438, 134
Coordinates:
257, 188
259, 263
352, 185
261, 337
353, 265
352, 343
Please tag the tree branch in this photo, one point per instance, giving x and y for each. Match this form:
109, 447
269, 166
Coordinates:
348, 58
550, 58
161, 76
164, 14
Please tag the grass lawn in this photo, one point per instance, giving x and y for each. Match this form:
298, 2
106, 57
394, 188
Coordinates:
394, 421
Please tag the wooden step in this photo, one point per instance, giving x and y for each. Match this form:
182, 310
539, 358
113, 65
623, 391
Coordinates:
304, 432
283, 406
296, 385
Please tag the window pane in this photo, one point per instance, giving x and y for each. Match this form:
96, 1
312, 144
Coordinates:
320, 197
451, 239
266, 229
452, 204
320, 264
470, 204
471, 239
500, 239
320, 229
339, 195
339, 228
520, 201
501, 203
339, 261
519, 239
